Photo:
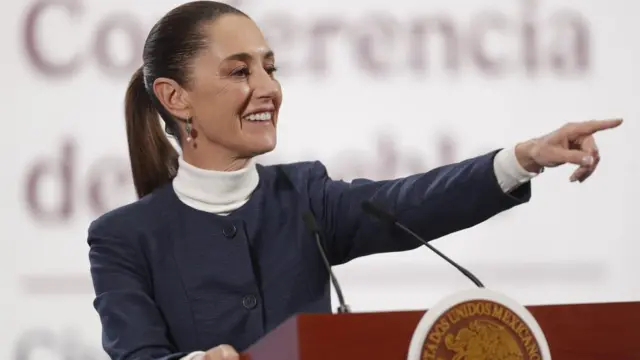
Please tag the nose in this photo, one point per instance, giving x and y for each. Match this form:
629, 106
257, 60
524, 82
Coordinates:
265, 86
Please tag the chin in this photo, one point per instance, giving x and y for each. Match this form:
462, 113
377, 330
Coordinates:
262, 148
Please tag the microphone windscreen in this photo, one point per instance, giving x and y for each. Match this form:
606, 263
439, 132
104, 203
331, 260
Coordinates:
310, 222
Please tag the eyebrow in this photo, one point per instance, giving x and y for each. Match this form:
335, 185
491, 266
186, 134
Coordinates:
246, 57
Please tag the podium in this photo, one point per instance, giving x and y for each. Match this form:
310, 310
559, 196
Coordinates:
595, 331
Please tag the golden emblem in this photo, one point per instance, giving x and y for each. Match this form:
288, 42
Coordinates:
480, 330
483, 340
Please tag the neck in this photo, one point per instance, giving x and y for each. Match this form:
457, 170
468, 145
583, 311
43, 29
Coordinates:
215, 191
216, 158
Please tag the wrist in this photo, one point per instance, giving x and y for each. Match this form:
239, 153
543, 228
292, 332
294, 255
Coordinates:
525, 158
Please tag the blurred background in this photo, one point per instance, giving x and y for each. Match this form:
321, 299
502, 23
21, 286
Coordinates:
372, 88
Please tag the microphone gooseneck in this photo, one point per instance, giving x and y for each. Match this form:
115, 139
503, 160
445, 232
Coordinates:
312, 226
369, 208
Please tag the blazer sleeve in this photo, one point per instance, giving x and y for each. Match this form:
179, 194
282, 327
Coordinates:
132, 326
433, 204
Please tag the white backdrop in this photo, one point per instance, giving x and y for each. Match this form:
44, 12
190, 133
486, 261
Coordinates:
372, 88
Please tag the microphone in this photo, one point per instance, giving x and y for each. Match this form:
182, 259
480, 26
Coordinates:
369, 208
313, 227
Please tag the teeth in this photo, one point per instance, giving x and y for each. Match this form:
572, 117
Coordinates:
264, 116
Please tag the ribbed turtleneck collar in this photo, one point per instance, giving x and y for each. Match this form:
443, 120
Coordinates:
219, 192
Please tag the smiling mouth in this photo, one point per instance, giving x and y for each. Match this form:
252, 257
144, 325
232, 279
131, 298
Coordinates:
266, 116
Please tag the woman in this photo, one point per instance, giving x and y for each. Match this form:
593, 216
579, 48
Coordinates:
215, 251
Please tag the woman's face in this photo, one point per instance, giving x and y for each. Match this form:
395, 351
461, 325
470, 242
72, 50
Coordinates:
233, 95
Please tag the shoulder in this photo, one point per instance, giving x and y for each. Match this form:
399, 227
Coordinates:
139, 216
300, 175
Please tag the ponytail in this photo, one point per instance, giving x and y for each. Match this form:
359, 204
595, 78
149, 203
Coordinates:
153, 158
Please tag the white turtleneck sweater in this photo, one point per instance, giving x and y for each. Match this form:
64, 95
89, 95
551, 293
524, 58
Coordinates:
218, 192
221, 192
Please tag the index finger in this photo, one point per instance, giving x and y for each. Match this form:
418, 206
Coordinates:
593, 126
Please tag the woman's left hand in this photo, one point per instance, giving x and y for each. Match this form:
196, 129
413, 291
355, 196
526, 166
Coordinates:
573, 143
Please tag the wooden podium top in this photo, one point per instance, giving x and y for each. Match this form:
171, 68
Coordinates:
603, 331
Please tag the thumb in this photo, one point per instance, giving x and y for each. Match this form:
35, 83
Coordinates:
222, 352
576, 157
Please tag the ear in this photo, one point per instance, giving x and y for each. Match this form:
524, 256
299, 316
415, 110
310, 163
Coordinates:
173, 97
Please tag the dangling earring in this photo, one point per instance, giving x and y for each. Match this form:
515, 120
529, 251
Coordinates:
191, 132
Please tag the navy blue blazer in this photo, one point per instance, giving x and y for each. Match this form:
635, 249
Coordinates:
170, 279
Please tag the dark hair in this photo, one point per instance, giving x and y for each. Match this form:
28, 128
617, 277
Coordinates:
168, 51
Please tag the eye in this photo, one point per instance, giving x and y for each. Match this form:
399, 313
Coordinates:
241, 72
271, 69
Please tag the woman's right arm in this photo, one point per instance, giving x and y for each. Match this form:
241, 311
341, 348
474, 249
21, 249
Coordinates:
132, 327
